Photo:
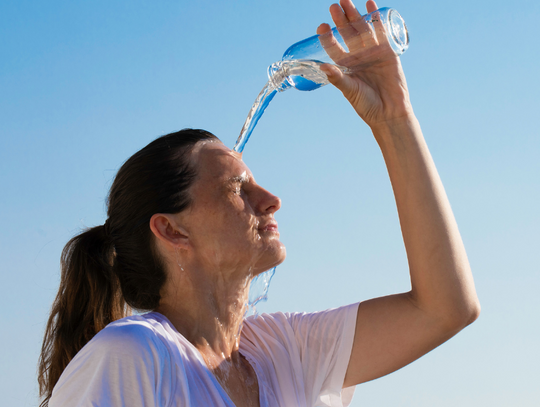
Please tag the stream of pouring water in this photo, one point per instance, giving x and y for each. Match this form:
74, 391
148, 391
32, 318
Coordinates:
258, 291
302, 74
258, 108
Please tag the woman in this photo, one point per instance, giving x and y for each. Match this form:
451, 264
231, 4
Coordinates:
188, 228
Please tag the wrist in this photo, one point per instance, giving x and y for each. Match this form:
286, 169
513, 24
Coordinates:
403, 122
397, 133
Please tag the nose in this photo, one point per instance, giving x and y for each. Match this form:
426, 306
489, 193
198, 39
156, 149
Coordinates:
268, 202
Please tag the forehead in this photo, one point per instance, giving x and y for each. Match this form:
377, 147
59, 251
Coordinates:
215, 161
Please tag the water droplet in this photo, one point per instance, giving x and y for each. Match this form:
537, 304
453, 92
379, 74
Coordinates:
258, 291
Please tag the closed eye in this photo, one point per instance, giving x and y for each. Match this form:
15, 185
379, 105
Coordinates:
236, 185
242, 179
238, 182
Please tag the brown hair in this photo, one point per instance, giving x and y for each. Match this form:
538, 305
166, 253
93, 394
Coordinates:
107, 270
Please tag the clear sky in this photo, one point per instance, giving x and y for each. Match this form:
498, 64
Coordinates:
85, 84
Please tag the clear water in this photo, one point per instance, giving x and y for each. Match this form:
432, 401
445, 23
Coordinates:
258, 291
258, 108
302, 74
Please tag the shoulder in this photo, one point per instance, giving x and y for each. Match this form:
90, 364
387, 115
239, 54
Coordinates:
127, 363
303, 353
301, 333
132, 329
276, 325
301, 321
133, 337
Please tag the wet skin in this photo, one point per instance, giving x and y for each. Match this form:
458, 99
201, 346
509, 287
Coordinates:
227, 236
231, 221
212, 250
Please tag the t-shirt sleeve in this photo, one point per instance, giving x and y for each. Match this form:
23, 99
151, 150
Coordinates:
325, 341
123, 365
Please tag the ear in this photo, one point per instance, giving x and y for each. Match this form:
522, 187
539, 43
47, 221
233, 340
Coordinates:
165, 228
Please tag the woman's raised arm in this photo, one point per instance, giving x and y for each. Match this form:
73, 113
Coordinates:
395, 330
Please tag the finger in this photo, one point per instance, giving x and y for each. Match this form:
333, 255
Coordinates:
367, 34
350, 35
380, 30
359, 25
338, 15
329, 43
371, 6
334, 75
323, 29
358, 22
338, 79
350, 10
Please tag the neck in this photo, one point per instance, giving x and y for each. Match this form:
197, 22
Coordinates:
207, 308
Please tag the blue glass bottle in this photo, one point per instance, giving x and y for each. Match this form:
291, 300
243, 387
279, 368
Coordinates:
299, 67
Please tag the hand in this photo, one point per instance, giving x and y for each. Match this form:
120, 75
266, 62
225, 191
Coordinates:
375, 84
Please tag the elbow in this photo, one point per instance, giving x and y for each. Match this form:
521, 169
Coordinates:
471, 310
451, 316
474, 312
462, 316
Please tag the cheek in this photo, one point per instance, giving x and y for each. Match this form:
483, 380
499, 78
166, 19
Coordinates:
235, 226
228, 227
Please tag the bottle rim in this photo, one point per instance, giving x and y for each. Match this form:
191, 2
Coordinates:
394, 21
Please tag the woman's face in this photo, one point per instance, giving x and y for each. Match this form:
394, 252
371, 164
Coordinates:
230, 222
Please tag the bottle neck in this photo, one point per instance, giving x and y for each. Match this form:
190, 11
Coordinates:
278, 76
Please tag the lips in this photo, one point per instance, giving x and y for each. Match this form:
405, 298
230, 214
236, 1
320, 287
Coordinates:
269, 227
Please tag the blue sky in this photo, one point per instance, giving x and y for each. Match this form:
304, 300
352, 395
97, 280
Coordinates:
83, 85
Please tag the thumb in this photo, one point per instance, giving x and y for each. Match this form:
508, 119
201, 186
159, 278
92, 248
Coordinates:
336, 77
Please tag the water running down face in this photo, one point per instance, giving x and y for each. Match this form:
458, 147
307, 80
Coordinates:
231, 221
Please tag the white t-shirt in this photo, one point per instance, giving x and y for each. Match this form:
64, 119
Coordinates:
300, 360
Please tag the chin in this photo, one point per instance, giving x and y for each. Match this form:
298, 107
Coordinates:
273, 257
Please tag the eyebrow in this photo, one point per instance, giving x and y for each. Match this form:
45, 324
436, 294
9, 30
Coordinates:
239, 178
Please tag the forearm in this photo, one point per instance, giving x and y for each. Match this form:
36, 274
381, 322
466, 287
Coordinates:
441, 279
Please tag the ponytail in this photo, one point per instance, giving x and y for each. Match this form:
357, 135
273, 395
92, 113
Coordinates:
109, 270
88, 299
